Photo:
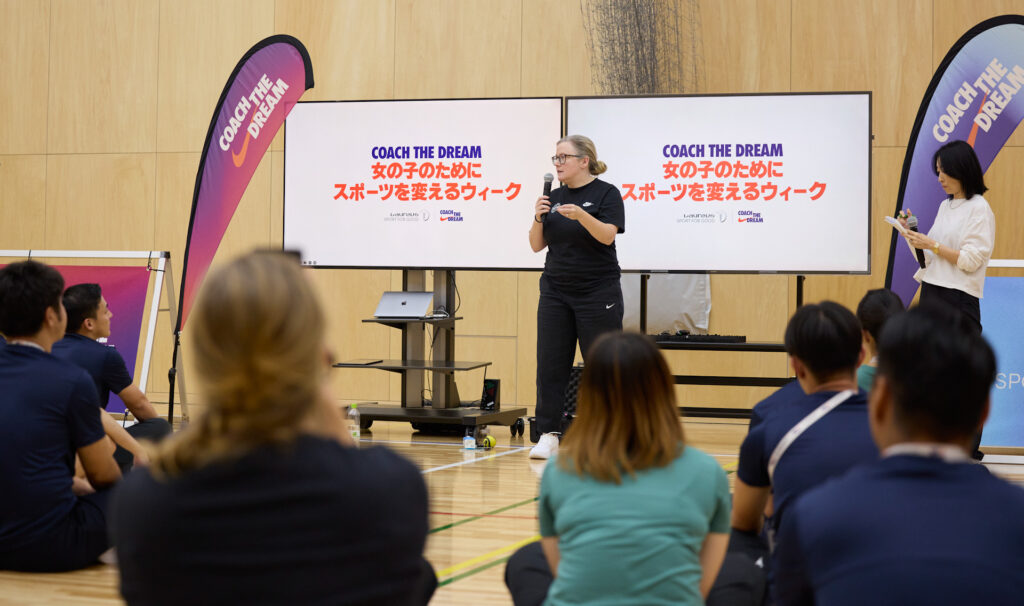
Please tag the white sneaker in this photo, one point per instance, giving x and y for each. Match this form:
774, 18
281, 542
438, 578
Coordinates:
546, 446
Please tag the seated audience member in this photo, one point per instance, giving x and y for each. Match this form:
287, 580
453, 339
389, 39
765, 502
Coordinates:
89, 320
265, 498
824, 345
873, 311
49, 520
924, 524
628, 512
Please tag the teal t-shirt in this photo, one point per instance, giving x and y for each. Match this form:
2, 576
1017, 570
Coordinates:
866, 376
637, 542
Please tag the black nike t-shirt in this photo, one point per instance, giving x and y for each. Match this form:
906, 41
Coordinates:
575, 258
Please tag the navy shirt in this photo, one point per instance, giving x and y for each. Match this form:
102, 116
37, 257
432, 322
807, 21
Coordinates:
575, 258
103, 363
904, 530
766, 407
314, 522
48, 411
837, 442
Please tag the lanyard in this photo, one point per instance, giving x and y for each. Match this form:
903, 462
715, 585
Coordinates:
804, 424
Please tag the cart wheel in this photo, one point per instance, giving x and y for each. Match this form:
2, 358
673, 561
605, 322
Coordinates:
364, 424
518, 427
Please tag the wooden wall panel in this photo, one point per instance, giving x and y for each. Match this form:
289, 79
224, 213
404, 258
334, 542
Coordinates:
501, 352
276, 214
103, 76
24, 55
554, 50
951, 20
22, 201
100, 202
746, 45
749, 305
526, 337
874, 45
452, 48
351, 44
1003, 180
348, 296
197, 54
488, 302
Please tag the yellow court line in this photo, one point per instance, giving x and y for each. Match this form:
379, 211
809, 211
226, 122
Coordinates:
486, 556
731, 466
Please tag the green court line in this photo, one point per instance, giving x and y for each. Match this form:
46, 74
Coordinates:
473, 571
489, 513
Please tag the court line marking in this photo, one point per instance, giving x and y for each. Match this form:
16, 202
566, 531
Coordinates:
499, 510
487, 556
470, 573
476, 460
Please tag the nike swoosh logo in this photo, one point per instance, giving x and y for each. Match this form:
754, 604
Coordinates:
609, 306
239, 159
741, 220
443, 219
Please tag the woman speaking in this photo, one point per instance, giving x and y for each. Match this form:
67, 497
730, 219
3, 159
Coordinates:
959, 244
580, 294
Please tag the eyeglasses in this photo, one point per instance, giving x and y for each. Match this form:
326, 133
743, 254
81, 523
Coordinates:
560, 158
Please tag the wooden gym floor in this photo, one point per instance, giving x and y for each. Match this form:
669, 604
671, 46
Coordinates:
482, 508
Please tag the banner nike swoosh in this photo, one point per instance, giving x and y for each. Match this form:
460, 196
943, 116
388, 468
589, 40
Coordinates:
741, 220
239, 159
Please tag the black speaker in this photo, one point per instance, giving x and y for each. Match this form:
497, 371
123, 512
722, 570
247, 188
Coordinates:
491, 397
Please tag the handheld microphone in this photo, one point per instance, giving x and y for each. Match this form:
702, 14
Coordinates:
548, 178
912, 226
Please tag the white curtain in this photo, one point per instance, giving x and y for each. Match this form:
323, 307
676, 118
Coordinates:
674, 302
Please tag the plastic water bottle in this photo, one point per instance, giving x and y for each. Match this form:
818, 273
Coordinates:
353, 422
469, 442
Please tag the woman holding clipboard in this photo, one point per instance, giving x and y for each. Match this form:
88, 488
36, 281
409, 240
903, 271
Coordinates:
959, 245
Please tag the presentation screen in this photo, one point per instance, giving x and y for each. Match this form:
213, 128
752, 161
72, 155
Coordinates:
419, 184
737, 183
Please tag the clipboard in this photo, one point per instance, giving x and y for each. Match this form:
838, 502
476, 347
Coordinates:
896, 224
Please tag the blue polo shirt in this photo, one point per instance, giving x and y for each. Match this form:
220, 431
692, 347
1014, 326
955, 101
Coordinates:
838, 441
103, 363
48, 411
904, 530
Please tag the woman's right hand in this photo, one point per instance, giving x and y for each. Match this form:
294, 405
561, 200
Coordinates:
542, 208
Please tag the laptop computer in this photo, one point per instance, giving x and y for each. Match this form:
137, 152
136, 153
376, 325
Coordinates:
404, 305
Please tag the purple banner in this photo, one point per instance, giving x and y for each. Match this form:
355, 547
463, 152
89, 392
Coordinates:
261, 91
974, 96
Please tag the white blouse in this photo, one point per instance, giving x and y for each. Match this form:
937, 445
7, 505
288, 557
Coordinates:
968, 226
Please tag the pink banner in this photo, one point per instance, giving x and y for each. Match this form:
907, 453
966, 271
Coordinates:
258, 96
125, 289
